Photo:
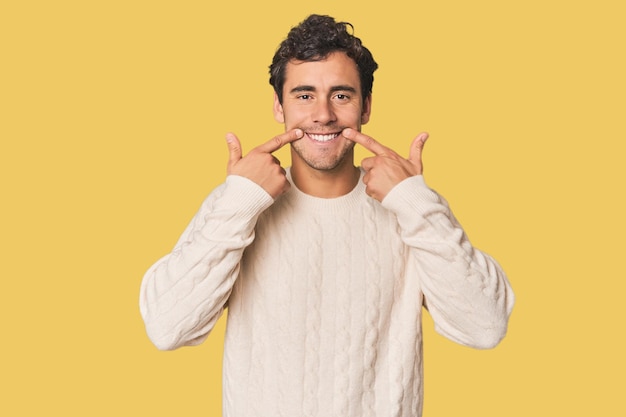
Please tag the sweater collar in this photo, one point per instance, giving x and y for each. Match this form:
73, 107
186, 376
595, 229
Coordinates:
351, 200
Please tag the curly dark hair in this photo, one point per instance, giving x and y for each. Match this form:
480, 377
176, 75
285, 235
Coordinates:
313, 40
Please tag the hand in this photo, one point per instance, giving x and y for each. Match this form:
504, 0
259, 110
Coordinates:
259, 165
386, 168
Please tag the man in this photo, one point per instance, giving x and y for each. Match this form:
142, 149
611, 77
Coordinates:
324, 267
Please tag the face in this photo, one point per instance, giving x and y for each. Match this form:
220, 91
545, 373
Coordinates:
322, 98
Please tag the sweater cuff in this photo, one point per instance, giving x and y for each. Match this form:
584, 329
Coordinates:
245, 197
411, 196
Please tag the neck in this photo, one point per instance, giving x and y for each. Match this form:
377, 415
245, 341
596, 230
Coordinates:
325, 183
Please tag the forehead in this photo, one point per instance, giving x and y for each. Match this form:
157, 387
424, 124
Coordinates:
336, 69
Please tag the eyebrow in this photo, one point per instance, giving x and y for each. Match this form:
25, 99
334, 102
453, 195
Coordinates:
301, 88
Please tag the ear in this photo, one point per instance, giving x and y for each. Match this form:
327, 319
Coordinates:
279, 115
367, 109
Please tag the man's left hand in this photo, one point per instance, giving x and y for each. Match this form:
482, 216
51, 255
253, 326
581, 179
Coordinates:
386, 168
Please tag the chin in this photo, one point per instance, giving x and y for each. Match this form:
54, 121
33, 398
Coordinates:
321, 160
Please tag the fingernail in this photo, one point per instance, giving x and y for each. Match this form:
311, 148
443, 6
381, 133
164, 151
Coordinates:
299, 132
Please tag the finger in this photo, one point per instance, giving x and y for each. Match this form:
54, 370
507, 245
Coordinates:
417, 146
367, 164
234, 149
279, 141
367, 142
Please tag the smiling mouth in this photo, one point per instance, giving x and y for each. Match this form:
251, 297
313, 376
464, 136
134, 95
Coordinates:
322, 138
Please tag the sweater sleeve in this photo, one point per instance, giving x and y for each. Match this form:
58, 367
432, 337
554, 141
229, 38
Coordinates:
465, 290
184, 293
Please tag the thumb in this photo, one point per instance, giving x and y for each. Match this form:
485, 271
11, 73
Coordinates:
417, 146
234, 149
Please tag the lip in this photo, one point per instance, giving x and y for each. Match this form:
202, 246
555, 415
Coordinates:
323, 138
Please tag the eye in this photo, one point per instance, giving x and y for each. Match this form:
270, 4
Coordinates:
304, 97
342, 97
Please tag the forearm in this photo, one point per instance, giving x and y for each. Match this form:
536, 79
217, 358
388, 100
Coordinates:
184, 293
466, 291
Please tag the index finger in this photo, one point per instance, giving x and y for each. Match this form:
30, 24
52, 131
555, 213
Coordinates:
279, 141
367, 142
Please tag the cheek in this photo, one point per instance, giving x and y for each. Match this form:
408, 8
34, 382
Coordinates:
293, 118
353, 116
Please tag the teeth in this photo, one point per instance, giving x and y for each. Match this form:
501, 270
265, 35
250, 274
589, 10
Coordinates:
323, 138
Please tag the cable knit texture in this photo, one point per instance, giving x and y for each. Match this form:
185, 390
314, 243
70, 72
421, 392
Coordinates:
324, 296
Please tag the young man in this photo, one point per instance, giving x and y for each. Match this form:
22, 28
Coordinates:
325, 267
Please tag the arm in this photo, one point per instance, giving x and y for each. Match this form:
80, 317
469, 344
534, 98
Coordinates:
465, 290
183, 294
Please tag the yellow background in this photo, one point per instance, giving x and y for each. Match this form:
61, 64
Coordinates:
112, 120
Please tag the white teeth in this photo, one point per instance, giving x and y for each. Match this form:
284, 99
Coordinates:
323, 138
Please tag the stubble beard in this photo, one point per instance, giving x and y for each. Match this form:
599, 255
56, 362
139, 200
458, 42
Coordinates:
323, 160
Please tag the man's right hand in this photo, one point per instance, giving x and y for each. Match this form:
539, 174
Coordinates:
259, 165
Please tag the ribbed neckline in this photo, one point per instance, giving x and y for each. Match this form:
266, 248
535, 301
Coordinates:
303, 201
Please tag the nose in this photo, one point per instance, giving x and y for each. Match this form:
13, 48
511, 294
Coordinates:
323, 112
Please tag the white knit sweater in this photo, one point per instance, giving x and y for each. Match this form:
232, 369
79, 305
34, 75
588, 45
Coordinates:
324, 296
